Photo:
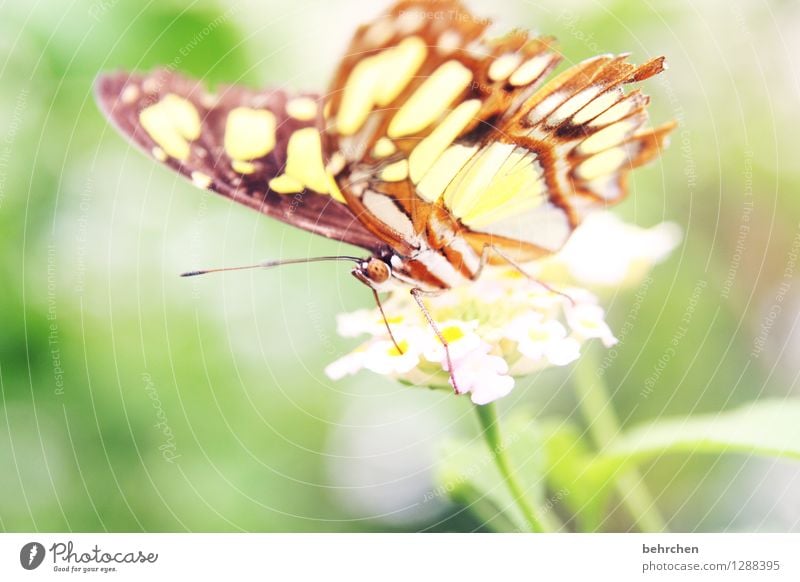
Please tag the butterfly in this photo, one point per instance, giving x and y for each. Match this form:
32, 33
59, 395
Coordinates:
436, 149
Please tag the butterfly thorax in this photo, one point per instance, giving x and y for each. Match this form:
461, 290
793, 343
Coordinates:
425, 247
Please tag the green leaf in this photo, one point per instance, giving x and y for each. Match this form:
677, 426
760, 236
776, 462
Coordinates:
585, 480
767, 427
468, 476
574, 479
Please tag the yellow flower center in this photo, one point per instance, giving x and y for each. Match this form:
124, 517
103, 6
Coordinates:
392, 351
538, 335
452, 333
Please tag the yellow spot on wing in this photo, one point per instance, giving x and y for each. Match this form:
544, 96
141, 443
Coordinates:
172, 123
304, 160
466, 190
243, 167
502, 67
431, 99
336, 194
398, 68
249, 133
448, 41
378, 80
607, 137
130, 94
284, 184
429, 149
601, 164
159, 154
573, 104
201, 180
380, 32
357, 100
410, 20
517, 188
596, 107
615, 113
335, 164
443, 171
530, 70
396, 172
302, 108
383, 147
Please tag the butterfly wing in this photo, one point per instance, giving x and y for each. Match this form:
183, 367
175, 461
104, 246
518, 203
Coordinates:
566, 151
411, 83
429, 114
260, 148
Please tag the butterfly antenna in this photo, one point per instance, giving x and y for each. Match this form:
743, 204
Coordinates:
270, 264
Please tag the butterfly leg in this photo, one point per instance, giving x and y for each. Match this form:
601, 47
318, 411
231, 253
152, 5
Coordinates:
518, 267
386, 321
417, 294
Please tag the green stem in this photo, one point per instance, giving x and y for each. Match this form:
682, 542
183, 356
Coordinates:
604, 427
487, 414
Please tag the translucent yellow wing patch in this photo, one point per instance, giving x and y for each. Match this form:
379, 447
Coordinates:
565, 151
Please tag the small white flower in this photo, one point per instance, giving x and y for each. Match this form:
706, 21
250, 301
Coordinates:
346, 365
587, 321
460, 337
383, 357
363, 321
606, 251
482, 375
538, 338
505, 318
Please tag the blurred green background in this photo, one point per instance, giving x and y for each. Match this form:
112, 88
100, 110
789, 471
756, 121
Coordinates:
133, 400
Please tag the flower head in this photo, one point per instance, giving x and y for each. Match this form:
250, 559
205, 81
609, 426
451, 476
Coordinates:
501, 326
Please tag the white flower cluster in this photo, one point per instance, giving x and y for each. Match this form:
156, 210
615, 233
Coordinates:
501, 326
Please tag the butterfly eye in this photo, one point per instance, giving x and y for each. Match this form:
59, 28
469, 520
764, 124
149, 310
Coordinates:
378, 271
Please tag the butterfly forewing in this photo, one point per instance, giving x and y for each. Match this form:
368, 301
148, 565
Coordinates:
417, 94
428, 112
260, 148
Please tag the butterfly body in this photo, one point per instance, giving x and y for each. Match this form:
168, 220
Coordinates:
436, 150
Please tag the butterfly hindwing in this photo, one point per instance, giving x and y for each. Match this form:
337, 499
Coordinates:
260, 148
565, 152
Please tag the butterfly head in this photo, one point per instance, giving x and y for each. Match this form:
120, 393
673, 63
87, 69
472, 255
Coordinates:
374, 272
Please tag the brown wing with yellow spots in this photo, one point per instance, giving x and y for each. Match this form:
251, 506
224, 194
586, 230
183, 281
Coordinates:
428, 112
411, 83
406, 71
260, 148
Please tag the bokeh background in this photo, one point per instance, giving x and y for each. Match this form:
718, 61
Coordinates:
133, 400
